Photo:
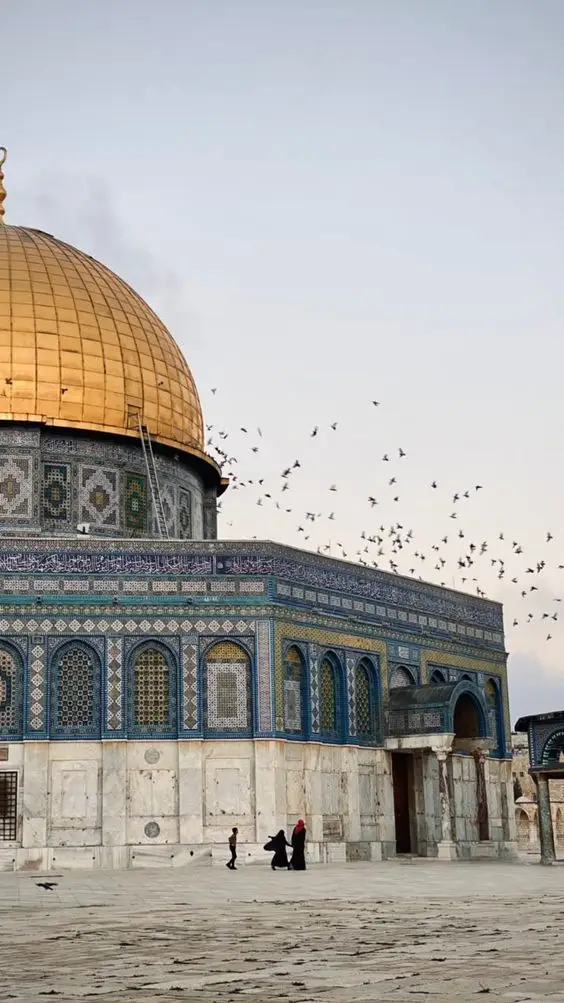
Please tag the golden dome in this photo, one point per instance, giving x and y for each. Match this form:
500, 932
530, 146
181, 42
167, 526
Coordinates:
80, 349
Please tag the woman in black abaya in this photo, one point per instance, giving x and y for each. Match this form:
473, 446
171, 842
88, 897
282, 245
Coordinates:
297, 862
278, 843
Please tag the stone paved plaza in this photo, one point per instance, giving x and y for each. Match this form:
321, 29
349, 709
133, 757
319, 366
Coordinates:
396, 931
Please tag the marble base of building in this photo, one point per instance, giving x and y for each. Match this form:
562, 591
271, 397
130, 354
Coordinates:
116, 804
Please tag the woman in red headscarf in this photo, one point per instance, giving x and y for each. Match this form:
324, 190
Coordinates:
297, 863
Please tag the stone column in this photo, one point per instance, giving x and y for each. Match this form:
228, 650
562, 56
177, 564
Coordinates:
546, 835
446, 848
482, 811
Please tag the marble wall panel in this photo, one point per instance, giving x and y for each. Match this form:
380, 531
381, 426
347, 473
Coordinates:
74, 788
227, 790
152, 793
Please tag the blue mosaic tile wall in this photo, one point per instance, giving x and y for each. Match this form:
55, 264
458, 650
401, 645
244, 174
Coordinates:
114, 597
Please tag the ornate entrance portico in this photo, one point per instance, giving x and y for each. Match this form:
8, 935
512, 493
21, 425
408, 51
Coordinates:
451, 773
546, 755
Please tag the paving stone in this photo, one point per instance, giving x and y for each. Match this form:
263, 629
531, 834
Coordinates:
397, 931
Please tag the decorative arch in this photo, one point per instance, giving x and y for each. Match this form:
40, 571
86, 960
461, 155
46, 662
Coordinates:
11, 692
228, 704
295, 688
152, 670
468, 711
366, 700
553, 748
401, 676
437, 676
495, 715
75, 686
331, 702
523, 825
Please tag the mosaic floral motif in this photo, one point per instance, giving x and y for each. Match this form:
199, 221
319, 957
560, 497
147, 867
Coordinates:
151, 690
99, 496
228, 704
350, 661
294, 674
37, 688
115, 684
327, 698
400, 676
492, 701
76, 692
553, 751
184, 514
135, 501
190, 682
15, 487
55, 492
314, 686
364, 701
10, 435
263, 676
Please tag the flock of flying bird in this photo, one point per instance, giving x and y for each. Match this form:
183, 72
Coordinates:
453, 555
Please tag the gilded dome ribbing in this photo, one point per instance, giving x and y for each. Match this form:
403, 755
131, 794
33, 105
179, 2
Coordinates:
80, 349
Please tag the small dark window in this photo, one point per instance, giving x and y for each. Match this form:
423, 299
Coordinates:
8, 805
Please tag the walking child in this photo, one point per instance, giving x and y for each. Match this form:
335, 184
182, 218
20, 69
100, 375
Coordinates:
233, 848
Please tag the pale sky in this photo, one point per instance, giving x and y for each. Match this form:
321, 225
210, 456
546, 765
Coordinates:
330, 203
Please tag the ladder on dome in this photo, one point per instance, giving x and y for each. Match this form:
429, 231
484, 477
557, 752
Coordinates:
152, 475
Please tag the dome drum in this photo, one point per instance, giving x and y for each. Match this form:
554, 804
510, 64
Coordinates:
64, 483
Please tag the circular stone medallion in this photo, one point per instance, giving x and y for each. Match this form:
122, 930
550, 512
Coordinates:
152, 756
152, 829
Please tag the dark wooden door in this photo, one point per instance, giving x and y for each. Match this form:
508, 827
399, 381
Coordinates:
400, 778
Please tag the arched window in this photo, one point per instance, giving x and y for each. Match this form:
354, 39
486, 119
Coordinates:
553, 751
437, 676
75, 692
366, 707
294, 685
228, 698
11, 694
330, 698
523, 827
467, 718
154, 691
401, 676
495, 726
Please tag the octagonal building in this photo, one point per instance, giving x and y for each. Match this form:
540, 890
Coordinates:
158, 686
